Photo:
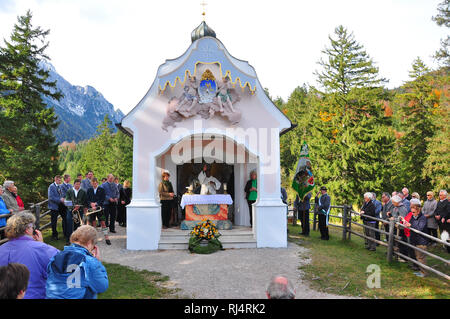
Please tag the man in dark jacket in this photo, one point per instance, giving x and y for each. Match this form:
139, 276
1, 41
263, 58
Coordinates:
368, 209
378, 208
95, 200
110, 203
387, 207
55, 201
302, 207
78, 197
442, 213
323, 209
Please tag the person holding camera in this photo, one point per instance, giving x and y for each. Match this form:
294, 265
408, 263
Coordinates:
76, 272
26, 246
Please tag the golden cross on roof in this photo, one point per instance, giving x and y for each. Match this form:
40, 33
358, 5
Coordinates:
203, 4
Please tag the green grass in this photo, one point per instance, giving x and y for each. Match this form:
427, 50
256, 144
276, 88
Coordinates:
128, 283
125, 282
339, 267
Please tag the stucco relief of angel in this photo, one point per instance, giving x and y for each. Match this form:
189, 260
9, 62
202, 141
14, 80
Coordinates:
189, 98
226, 97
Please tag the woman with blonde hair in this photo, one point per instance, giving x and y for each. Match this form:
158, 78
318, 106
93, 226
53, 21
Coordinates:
76, 272
26, 246
124, 200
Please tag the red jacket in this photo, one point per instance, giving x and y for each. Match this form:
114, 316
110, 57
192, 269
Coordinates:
19, 201
408, 219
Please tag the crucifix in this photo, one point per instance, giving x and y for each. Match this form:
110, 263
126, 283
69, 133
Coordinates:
203, 4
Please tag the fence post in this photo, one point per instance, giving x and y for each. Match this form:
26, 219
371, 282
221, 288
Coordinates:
344, 223
391, 240
37, 214
349, 218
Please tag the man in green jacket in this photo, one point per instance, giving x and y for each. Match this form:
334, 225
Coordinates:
78, 197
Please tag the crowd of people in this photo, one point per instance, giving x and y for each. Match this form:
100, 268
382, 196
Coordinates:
430, 216
88, 201
32, 269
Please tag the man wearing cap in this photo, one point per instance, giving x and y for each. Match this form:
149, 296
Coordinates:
323, 208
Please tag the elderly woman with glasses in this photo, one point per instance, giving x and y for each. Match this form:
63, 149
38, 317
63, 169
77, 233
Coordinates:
26, 246
428, 209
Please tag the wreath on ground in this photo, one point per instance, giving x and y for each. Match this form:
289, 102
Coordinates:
204, 238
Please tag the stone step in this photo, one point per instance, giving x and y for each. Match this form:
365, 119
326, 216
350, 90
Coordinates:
184, 246
228, 241
187, 236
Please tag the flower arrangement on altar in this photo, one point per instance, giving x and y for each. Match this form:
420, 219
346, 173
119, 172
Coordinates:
204, 238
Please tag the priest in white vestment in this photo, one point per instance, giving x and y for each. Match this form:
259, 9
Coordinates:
210, 184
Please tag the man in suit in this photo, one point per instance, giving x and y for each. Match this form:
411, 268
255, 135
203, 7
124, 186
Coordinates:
86, 183
78, 197
55, 202
110, 203
323, 209
95, 199
65, 186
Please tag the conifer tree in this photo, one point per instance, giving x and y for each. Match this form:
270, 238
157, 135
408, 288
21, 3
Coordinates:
350, 142
443, 19
417, 105
28, 150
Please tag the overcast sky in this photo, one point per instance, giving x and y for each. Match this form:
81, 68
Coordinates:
117, 46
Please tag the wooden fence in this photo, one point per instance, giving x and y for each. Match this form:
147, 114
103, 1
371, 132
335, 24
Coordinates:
35, 209
349, 217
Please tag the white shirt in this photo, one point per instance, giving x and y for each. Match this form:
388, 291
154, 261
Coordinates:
76, 192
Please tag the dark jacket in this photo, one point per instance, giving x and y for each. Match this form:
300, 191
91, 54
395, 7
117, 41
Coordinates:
443, 210
325, 203
80, 199
386, 208
304, 204
369, 210
98, 197
420, 224
284, 195
125, 195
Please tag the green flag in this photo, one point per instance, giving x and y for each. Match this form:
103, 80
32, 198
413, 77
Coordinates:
303, 182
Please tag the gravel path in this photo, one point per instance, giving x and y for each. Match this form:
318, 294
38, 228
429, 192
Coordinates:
227, 274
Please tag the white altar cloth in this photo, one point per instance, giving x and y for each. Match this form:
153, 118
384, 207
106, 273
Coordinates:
206, 199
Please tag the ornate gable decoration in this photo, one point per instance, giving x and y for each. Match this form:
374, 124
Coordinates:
210, 79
